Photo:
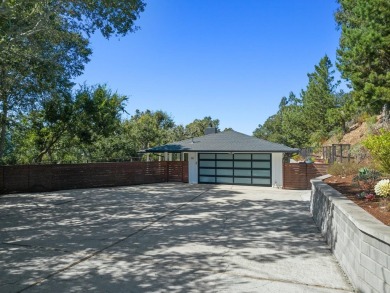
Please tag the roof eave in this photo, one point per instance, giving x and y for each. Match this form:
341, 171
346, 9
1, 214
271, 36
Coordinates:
218, 151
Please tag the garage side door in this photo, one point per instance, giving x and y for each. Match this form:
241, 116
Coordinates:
247, 169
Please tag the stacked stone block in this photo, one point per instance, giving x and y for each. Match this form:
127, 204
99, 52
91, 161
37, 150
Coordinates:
360, 243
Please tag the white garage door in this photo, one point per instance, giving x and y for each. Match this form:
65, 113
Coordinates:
242, 168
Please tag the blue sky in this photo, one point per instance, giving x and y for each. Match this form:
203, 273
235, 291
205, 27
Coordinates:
231, 60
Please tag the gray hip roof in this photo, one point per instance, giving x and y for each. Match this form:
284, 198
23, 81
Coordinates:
226, 141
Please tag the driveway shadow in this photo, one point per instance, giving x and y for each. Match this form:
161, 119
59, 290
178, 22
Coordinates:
162, 238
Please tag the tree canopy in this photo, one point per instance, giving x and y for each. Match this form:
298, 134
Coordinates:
45, 44
64, 124
364, 50
319, 97
308, 119
90, 124
198, 126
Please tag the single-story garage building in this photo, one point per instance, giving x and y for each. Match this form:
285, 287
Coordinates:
229, 157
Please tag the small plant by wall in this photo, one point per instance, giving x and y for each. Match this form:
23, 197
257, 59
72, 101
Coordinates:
382, 188
367, 178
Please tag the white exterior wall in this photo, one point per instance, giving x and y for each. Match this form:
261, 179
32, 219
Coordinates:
277, 169
193, 167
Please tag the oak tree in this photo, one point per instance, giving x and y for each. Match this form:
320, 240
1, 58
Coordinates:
44, 44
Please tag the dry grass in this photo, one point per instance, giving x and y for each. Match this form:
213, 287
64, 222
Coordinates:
346, 169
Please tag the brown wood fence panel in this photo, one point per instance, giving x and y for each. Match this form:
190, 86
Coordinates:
83, 175
70, 176
175, 172
298, 175
294, 176
40, 178
16, 177
1, 178
155, 172
316, 170
185, 172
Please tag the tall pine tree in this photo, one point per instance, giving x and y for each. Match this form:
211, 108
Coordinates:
364, 52
318, 97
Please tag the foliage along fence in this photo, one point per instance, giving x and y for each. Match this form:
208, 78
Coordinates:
34, 178
298, 175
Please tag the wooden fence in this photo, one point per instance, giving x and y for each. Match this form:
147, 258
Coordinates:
298, 175
336, 153
32, 178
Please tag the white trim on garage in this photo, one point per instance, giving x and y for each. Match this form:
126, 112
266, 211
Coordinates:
193, 168
277, 169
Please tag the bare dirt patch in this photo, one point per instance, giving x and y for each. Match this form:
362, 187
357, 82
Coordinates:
353, 137
379, 208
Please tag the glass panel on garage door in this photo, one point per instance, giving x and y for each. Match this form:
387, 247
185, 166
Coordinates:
239, 168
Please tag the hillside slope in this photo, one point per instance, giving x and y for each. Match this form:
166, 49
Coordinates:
357, 132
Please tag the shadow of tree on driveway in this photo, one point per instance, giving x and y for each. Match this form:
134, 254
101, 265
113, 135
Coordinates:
161, 238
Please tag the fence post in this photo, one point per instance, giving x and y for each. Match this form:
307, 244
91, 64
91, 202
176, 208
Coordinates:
306, 175
333, 153
167, 171
349, 153
182, 170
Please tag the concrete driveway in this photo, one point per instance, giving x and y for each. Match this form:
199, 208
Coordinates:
164, 238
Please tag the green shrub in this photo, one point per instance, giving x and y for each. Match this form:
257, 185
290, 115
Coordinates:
362, 117
379, 148
358, 152
371, 120
337, 133
367, 178
344, 169
297, 157
336, 169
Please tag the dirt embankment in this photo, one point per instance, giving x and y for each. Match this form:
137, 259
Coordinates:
358, 132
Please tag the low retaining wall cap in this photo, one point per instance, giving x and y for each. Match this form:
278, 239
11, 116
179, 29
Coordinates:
364, 221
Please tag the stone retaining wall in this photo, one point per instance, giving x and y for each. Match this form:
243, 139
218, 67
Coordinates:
360, 242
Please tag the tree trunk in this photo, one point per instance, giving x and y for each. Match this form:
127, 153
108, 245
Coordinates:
48, 147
